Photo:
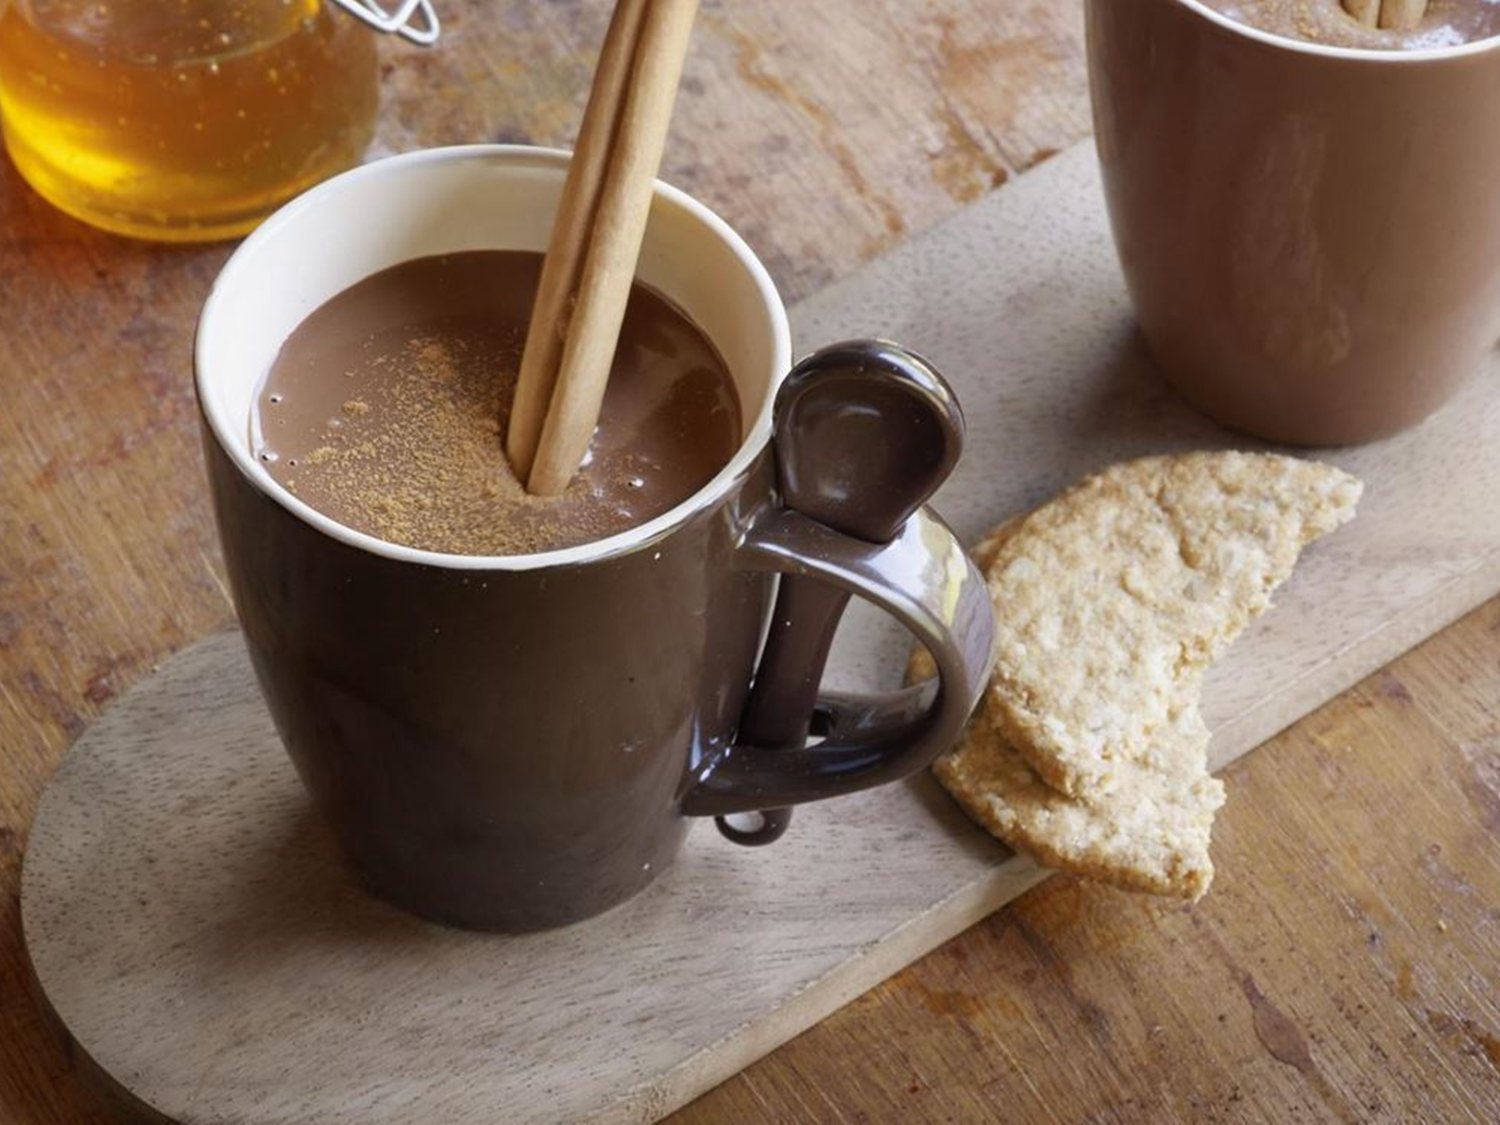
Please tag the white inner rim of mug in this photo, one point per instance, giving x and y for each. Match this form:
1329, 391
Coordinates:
1389, 55
441, 201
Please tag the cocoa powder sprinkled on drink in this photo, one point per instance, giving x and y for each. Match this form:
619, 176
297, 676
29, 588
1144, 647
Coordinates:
384, 412
422, 456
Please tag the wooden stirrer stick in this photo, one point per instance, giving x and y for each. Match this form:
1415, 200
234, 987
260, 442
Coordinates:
570, 232
614, 246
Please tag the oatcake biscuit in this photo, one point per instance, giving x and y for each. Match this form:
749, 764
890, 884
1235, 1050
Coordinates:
1151, 833
1114, 598
1146, 824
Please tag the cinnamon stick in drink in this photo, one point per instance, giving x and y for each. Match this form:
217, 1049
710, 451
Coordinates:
570, 236
1392, 15
614, 244
1402, 15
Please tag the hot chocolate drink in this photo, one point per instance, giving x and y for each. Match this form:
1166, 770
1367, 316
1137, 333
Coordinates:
1447, 23
385, 411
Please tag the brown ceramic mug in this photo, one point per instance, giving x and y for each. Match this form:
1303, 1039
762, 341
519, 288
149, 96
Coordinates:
520, 742
1309, 233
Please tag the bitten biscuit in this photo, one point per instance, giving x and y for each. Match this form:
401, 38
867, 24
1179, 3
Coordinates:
1114, 598
1149, 570
1152, 834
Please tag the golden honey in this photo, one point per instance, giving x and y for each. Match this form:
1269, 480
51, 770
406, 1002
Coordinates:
182, 120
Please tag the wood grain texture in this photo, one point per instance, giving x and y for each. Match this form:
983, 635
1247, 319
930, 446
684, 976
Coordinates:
195, 929
107, 553
826, 133
153, 884
1343, 968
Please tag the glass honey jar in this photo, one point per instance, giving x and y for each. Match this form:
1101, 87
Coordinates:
183, 120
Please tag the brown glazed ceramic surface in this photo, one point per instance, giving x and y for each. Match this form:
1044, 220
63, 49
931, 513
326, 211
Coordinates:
1311, 236
519, 743
866, 432
516, 749
497, 749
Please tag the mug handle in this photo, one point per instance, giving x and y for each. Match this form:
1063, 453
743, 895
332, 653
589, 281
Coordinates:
864, 433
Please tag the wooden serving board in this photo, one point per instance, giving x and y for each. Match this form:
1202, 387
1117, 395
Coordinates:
190, 923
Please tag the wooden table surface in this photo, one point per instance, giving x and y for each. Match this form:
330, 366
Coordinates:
1346, 965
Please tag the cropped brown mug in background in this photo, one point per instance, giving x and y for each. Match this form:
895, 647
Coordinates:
519, 742
1310, 234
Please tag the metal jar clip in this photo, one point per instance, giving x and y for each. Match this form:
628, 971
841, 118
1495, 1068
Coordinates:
423, 30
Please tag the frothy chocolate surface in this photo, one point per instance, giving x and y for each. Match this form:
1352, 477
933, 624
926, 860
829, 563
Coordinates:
384, 411
1448, 23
